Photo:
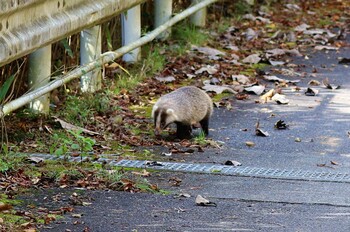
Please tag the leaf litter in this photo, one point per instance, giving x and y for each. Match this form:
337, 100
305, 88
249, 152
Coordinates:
238, 48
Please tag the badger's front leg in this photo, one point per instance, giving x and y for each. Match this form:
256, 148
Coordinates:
183, 131
205, 125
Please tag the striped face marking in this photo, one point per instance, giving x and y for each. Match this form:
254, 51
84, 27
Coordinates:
163, 118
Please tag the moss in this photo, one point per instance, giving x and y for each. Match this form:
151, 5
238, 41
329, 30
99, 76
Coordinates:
4, 199
219, 97
145, 110
291, 44
11, 219
259, 66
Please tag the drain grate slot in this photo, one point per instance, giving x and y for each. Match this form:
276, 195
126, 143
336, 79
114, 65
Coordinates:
216, 169
245, 171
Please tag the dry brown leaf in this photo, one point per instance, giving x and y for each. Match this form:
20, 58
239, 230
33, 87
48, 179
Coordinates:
314, 82
250, 144
218, 89
233, 163
4, 207
68, 126
252, 59
144, 173
311, 92
201, 201
280, 99
267, 96
257, 89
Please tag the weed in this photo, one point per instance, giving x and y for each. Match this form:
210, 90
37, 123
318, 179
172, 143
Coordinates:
111, 176
200, 139
242, 7
155, 61
10, 161
187, 35
75, 143
4, 166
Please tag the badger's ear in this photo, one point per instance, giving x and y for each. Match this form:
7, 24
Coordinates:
170, 111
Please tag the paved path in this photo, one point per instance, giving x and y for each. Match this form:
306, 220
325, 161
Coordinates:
248, 203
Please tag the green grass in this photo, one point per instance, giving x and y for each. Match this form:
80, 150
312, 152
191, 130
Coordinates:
242, 7
185, 35
200, 139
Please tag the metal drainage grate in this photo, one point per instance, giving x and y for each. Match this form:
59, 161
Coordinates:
217, 169
239, 171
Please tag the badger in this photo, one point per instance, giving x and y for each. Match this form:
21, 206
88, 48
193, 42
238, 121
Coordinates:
185, 106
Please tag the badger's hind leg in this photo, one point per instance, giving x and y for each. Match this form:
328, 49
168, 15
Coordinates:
205, 125
183, 131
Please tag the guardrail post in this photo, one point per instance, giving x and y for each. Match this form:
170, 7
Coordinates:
90, 49
131, 31
39, 75
198, 19
162, 13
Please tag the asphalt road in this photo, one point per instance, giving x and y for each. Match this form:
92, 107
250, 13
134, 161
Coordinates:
248, 203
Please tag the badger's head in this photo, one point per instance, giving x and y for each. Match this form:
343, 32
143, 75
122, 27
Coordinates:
163, 117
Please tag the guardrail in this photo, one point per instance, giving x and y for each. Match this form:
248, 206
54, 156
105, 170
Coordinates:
34, 24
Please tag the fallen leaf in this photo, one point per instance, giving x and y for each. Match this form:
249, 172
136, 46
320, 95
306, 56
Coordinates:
232, 163
320, 47
242, 79
77, 215
209, 51
144, 173
276, 63
166, 154
330, 86
257, 89
281, 125
274, 78
275, 52
218, 89
86, 203
30, 230
250, 34
182, 195
259, 132
344, 61
250, 144
293, 7
252, 59
301, 27
314, 83
210, 69
34, 160
201, 201
166, 79
280, 99
153, 163
68, 126
242, 96
311, 92
267, 96
4, 207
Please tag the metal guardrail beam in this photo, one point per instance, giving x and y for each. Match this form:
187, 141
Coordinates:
104, 58
30, 24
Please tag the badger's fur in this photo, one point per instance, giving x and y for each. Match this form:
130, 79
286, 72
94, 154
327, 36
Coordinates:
184, 107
